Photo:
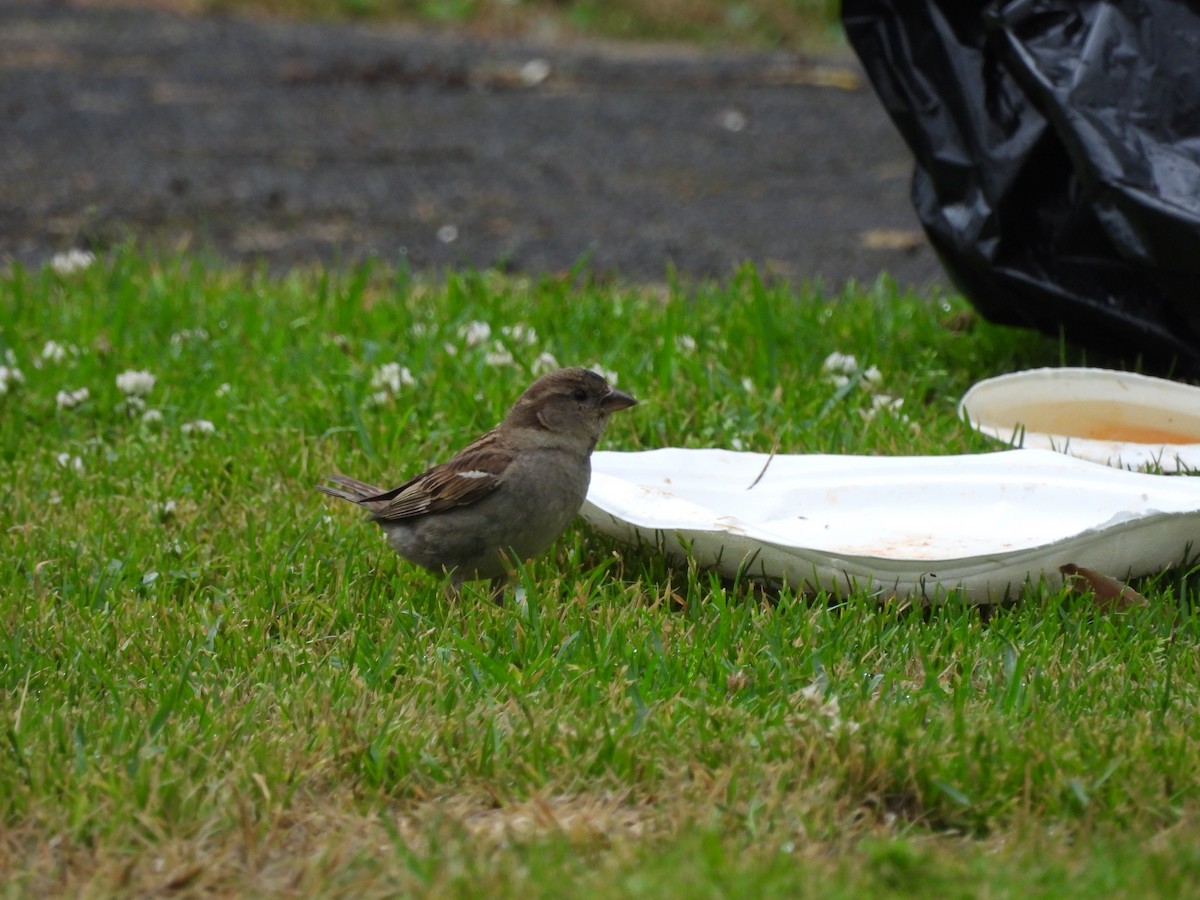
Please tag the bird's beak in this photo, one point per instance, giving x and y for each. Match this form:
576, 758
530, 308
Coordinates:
615, 400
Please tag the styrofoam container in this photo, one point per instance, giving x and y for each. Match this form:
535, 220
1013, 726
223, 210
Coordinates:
1109, 417
983, 524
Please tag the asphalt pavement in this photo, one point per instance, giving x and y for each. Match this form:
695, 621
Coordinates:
297, 143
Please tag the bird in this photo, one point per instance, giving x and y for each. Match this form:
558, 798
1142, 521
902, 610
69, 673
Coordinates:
506, 496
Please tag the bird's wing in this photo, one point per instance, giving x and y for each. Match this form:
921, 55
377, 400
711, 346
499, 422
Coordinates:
349, 488
467, 478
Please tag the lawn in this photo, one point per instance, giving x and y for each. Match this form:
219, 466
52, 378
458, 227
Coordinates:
215, 680
796, 24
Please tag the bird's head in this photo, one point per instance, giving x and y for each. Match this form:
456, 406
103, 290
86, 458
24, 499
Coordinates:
571, 405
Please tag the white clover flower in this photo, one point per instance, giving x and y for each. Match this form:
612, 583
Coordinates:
69, 462
607, 374
387, 376
152, 417
10, 377
873, 376
72, 261
840, 364
685, 343
811, 700
748, 385
545, 363
391, 377
71, 399
54, 352
188, 335
10, 358
520, 334
133, 405
224, 389
379, 398
883, 401
200, 426
838, 381
498, 356
165, 510
450, 349
135, 383
475, 333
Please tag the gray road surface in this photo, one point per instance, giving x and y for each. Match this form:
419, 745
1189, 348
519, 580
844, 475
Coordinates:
298, 142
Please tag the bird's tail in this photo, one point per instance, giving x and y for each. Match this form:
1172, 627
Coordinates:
348, 488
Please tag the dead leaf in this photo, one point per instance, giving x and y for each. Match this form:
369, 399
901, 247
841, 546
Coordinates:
182, 879
904, 239
960, 322
1108, 591
832, 76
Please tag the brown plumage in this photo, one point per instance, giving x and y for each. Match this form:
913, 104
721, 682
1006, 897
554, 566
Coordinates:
506, 496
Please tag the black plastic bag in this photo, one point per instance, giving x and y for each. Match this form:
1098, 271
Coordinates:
1057, 150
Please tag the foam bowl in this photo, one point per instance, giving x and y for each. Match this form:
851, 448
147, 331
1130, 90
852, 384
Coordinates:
1115, 418
982, 525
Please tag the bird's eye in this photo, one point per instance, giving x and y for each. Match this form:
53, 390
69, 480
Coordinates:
579, 394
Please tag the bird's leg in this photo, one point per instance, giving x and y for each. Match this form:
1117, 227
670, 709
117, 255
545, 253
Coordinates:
496, 591
497, 584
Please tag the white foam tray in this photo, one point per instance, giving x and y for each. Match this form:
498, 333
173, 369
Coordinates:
982, 524
1064, 409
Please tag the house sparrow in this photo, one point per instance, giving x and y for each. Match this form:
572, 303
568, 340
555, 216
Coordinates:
506, 496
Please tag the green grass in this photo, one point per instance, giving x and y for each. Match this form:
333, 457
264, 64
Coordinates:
791, 23
215, 680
